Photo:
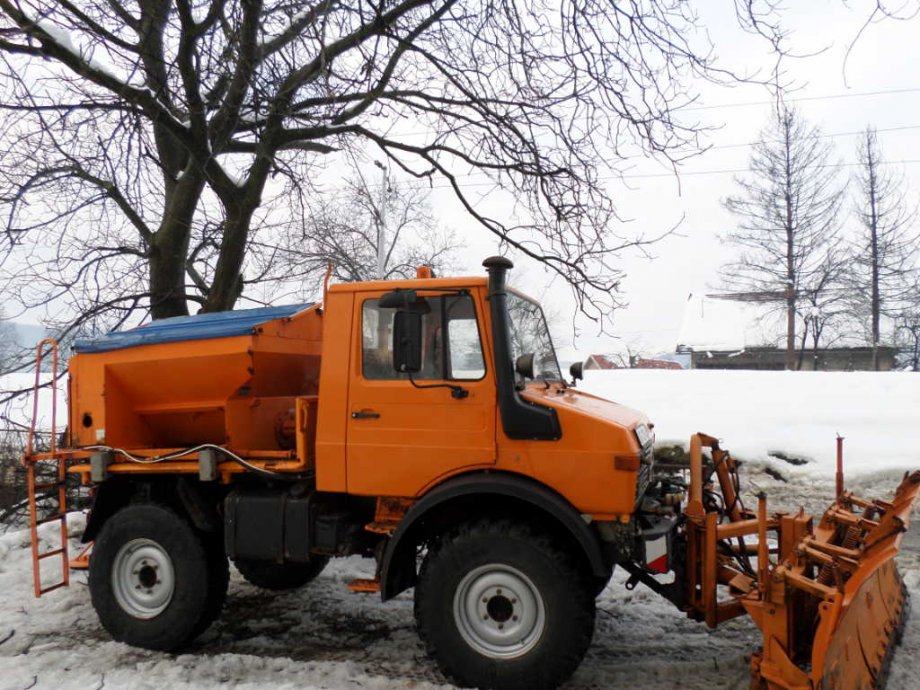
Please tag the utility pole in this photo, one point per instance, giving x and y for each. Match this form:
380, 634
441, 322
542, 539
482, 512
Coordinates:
381, 221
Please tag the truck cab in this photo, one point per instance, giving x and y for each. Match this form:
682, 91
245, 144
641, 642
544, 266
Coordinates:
483, 392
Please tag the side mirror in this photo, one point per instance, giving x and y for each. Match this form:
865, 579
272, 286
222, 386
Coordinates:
407, 328
523, 365
407, 342
577, 371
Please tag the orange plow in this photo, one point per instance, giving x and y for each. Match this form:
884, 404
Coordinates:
828, 598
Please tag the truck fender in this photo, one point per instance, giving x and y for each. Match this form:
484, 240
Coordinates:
108, 498
185, 496
397, 566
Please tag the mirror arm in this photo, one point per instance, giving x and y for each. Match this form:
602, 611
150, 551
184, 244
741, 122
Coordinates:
456, 392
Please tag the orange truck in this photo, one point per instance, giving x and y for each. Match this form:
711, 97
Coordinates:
425, 423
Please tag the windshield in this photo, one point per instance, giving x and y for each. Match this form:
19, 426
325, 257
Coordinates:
529, 333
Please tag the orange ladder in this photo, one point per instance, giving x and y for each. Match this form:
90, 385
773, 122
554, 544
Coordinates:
33, 486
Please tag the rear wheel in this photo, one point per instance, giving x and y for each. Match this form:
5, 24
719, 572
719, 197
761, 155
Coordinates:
280, 576
500, 606
150, 580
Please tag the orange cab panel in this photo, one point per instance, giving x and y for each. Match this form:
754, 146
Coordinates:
402, 435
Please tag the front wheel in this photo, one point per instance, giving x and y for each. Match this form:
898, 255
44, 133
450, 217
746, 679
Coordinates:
501, 606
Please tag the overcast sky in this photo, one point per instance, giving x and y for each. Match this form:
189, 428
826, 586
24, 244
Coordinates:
882, 63
876, 85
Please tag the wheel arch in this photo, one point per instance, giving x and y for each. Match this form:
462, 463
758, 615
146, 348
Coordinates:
498, 493
188, 497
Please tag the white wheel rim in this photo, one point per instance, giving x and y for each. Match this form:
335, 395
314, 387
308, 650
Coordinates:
499, 611
143, 579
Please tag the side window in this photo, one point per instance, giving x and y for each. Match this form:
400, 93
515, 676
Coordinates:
463, 342
458, 357
377, 341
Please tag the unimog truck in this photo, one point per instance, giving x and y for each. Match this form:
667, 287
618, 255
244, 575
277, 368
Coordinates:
425, 423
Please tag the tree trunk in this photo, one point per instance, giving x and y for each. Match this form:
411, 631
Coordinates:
790, 250
169, 249
227, 285
876, 300
800, 357
167, 281
875, 288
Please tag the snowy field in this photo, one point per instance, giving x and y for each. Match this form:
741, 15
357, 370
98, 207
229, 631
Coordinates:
755, 413
326, 637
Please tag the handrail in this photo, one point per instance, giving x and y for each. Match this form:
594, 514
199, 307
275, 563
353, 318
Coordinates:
39, 358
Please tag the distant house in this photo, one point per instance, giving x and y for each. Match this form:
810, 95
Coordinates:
774, 359
615, 362
720, 333
601, 362
642, 363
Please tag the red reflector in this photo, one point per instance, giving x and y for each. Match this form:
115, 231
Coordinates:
626, 462
659, 565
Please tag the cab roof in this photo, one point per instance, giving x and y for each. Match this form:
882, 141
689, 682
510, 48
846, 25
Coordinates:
412, 284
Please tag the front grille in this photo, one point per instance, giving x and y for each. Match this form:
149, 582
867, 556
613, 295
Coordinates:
644, 475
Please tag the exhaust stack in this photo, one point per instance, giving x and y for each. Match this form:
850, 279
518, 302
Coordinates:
521, 419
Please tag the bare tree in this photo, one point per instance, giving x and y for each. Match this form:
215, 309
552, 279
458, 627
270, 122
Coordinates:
907, 337
148, 145
9, 344
375, 228
907, 327
787, 209
823, 304
885, 252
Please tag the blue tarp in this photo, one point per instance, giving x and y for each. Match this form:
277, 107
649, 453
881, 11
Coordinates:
215, 325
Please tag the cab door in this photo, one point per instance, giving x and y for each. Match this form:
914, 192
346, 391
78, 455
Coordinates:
404, 434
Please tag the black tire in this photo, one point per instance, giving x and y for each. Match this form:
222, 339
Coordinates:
280, 576
191, 599
474, 554
218, 582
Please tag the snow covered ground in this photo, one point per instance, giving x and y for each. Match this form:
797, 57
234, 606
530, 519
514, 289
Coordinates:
326, 637
799, 413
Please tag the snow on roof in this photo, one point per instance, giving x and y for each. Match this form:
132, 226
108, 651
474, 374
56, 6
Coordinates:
720, 324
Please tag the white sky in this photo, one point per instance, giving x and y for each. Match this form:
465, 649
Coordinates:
884, 59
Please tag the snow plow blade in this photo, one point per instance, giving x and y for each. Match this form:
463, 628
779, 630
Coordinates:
832, 609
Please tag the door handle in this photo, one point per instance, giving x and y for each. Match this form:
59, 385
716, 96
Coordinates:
365, 414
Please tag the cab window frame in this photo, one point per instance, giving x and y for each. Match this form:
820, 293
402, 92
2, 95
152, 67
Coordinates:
445, 369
